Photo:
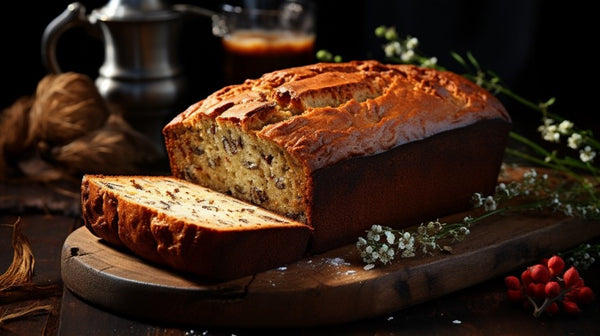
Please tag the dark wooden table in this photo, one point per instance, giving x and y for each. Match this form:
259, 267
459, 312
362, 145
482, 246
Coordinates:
48, 215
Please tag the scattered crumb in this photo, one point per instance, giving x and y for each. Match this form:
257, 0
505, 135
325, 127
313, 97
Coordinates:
337, 261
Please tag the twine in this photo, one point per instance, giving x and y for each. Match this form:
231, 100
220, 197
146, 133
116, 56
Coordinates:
68, 125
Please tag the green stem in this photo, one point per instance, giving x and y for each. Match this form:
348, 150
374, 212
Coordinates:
531, 158
539, 149
592, 142
450, 227
537, 311
564, 165
518, 98
543, 109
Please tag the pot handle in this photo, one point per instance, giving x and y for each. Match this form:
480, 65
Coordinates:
73, 16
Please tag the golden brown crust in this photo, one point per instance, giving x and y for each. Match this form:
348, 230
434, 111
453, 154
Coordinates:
99, 211
325, 113
196, 247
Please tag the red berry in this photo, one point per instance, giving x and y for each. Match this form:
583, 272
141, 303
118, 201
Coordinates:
552, 289
515, 295
571, 294
552, 308
571, 278
556, 265
540, 273
536, 290
512, 282
526, 277
585, 295
571, 307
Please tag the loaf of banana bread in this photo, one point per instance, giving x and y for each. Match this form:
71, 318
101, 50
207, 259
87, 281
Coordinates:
189, 228
342, 146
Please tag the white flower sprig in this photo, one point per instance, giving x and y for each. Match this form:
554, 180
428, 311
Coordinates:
382, 244
403, 51
553, 127
533, 191
582, 256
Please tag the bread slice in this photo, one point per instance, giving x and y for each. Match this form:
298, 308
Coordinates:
190, 228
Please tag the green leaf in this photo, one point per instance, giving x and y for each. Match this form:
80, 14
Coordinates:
459, 59
473, 61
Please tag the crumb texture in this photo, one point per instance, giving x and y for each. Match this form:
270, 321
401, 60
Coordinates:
183, 201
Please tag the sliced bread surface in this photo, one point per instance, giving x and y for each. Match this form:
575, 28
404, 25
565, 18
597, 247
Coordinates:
188, 227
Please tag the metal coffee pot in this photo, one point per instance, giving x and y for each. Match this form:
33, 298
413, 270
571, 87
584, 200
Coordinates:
141, 77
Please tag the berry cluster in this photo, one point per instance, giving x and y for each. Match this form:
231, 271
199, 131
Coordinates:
545, 287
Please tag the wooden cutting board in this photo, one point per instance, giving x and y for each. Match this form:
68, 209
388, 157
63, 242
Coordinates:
324, 289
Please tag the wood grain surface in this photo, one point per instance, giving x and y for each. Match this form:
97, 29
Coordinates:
324, 289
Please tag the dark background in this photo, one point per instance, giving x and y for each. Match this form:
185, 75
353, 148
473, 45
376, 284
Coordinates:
541, 49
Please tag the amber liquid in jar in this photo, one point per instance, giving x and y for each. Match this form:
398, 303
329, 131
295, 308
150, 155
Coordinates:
251, 53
